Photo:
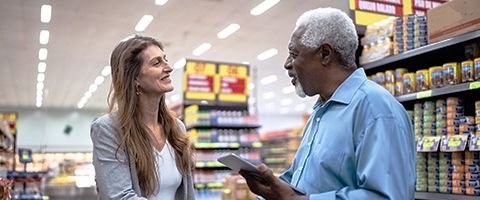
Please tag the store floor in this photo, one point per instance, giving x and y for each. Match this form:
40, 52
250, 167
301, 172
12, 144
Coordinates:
70, 193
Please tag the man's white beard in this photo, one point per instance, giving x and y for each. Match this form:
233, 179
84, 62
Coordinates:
299, 89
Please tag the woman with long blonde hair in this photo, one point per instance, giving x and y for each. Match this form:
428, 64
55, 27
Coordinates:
140, 150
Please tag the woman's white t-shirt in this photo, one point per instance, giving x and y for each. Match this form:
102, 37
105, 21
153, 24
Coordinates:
170, 177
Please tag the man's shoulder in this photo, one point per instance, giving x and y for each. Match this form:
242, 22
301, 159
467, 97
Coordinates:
377, 99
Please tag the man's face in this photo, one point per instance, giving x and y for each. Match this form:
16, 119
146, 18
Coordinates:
301, 66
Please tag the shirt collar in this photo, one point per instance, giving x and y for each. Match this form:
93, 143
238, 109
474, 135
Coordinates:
344, 93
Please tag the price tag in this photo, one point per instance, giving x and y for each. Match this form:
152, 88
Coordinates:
452, 143
215, 185
200, 164
200, 185
474, 85
256, 144
428, 144
424, 94
474, 143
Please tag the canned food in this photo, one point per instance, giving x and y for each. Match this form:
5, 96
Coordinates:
390, 88
389, 76
467, 71
451, 73
399, 74
422, 80
398, 88
380, 78
453, 101
476, 68
436, 76
408, 83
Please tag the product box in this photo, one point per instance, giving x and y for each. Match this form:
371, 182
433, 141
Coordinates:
453, 18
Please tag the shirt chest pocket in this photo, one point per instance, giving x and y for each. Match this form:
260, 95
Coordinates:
323, 163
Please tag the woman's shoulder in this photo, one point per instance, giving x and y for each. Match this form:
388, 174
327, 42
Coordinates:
105, 124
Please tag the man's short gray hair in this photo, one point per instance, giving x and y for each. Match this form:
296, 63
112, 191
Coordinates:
330, 25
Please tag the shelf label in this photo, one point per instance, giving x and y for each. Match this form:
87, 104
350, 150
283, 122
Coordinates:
428, 144
474, 85
451, 143
474, 143
424, 94
256, 144
200, 164
214, 185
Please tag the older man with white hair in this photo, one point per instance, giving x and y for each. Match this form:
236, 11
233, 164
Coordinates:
359, 141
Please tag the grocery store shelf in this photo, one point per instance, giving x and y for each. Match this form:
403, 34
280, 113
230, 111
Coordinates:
210, 164
226, 126
440, 196
422, 50
208, 185
282, 139
449, 89
227, 145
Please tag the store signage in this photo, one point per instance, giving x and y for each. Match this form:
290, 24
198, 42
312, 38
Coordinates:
428, 144
199, 80
377, 7
11, 121
233, 83
453, 143
426, 4
474, 144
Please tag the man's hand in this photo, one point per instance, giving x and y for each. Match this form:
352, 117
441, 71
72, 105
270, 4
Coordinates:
269, 186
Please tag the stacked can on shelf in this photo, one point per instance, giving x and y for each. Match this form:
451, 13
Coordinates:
415, 30
422, 173
441, 117
451, 173
472, 158
398, 41
476, 69
429, 119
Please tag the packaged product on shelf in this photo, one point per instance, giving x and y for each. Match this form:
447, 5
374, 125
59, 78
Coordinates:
436, 76
399, 74
390, 87
389, 77
422, 80
380, 78
467, 71
476, 69
398, 88
408, 83
451, 73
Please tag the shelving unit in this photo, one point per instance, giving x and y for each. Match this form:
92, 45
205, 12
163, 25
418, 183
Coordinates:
279, 149
436, 54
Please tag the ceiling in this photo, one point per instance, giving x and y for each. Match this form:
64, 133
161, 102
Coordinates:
84, 32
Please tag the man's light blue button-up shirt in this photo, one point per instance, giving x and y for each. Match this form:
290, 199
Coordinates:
357, 145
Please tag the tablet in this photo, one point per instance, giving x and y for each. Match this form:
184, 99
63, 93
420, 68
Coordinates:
236, 163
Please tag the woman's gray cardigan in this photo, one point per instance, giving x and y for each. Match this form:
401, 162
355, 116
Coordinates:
118, 180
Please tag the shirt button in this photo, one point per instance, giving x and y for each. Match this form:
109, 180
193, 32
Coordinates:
310, 143
318, 119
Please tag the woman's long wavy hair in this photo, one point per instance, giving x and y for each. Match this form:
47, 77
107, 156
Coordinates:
126, 61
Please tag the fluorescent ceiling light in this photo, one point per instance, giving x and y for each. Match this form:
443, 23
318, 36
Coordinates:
228, 31
180, 63
288, 89
201, 49
268, 79
42, 67
246, 62
39, 92
251, 86
267, 54
161, 2
268, 95
42, 54
39, 98
262, 7
143, 23
40, 86
300, 107
106, 70
46, 13
40, 77
175, 98
44, 35
99, 80
286, 102
38, 104
80, 105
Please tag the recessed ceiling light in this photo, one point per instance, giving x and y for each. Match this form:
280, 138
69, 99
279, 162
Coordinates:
39, 92
42, 54
286, 102
46, 13
40, 77
39, 98
288, 89
180, 63
251, 86
161, 2
44, 35
80, 105
143, 23
230, 29
38, 104
87, 95
99, 80
201, 49
262, 7
246, 62
93, 88
106, 70
268, 79
267, 54
268, 95
42, 67
40, 86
